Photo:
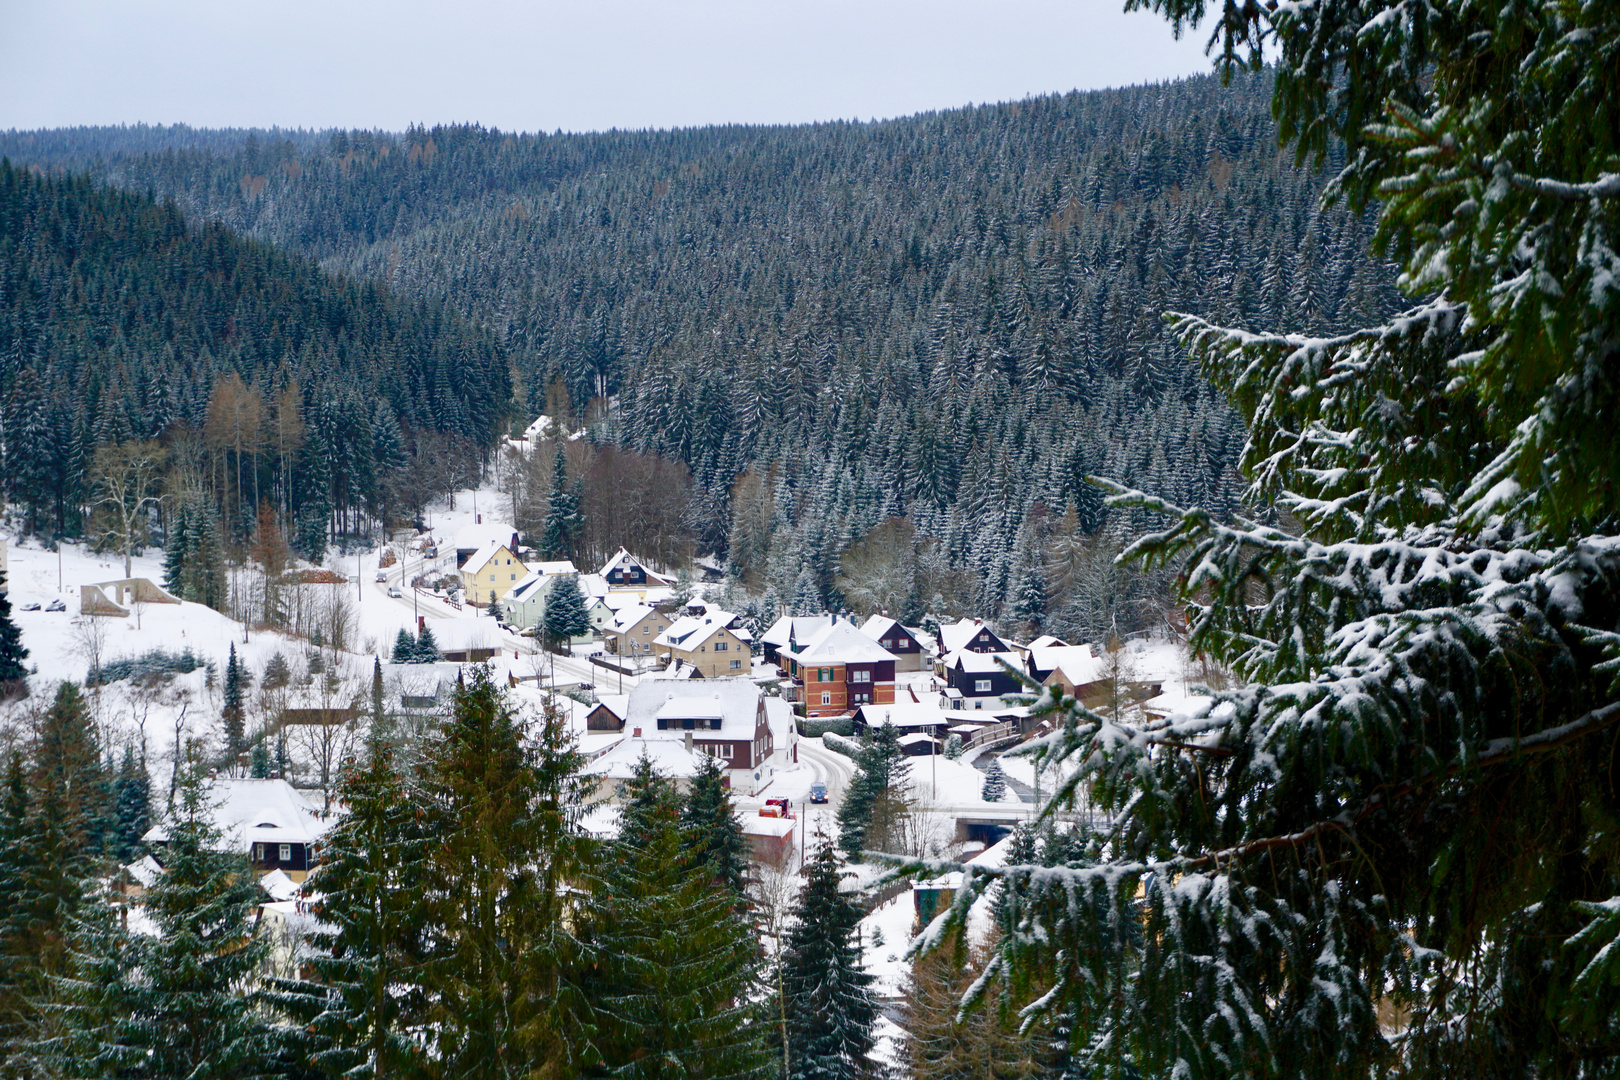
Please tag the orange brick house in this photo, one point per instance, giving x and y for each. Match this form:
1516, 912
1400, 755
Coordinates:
840, 669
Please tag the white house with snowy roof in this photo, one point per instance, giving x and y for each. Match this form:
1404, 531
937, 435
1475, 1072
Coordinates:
269, 821
791, 631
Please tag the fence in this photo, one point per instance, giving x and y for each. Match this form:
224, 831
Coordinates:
1007, 729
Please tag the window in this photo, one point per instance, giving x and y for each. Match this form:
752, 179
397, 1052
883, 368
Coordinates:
492, 577
860, 676
736, 665
258, 853
663, 723
726, 750
720, 646
514, 577
688, 723
286, 853
982, 686
888, 644
646, 629
824, 674
826, 697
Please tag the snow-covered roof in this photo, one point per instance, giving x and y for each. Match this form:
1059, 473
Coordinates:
878, 627
278, 886
983, 663
472, 632
841, 643
670, 758
251, 811
480, 558
690, 631
628, 617
773, 827
1075, 659
904, 715
734, 701
144, 871
954, 637
554, 567
798, 628
593, 586
1046, 641
915, 738
540, 429
473, 537
624, 558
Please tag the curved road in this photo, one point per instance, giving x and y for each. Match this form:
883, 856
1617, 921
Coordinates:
831, 768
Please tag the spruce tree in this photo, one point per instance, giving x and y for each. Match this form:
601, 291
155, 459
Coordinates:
669, 969
995, 782
830, 1006
259, 759
277, 672
177, 545
180, 997
20, 976
364, 1014
427, 649
560, 534
875, 797
565, 617
132, 793
13, 675
233, 721
404, 647
714, 835
500, 809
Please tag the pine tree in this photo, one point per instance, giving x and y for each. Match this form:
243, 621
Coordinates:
19, 961
132, 793
874, 801
13, 675
560, 535
714, 835
953, 747
277, 672
500, 810
259, 759
830, 1006
364, 1014
427, 649
404, 647
233, 721
1405, 811
669, 969
179, 996
565, 617
940, 1044
995, 782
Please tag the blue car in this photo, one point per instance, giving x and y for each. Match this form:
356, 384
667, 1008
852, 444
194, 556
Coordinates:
818, 792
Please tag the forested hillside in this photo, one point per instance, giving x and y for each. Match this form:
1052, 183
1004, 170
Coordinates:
950, 317
267, 379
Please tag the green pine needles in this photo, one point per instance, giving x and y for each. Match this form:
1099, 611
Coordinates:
1393, 852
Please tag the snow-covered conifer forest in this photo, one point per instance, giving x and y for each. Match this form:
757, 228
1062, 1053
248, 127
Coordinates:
1222, 470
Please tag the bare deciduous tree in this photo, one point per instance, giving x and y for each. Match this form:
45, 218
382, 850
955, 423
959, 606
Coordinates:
124, 477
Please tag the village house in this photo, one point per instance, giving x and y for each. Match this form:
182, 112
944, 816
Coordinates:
633, 629
1075, 670
714, 644
982, 680
525, 603
269, 821
671, 720
624, 573
841, 669
969, 635
905, 644
471, 539
490, 573
789, 632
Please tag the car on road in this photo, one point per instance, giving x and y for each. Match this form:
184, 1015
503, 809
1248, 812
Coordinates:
382, 577
394, 591
818, 792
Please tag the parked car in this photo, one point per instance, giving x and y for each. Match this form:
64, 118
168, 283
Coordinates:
31, 607
56, 605
394, 591
818, 792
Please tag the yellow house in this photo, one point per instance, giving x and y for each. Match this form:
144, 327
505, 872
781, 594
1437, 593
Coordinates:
491, 569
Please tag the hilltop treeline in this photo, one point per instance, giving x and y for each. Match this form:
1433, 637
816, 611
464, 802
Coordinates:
949, 318
265, 379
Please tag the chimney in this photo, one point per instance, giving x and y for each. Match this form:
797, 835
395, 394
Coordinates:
635, 733
688, 742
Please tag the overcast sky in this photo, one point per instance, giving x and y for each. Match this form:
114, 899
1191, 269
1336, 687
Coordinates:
540, 65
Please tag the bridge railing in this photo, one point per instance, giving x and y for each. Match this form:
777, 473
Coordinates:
1007, 729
